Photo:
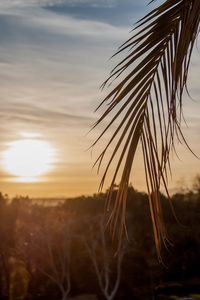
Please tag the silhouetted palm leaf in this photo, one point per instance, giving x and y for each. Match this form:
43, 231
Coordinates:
149, 98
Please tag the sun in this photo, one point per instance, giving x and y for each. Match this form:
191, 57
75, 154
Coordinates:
28, 159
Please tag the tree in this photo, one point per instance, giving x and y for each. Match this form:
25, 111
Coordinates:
50, 251
196, 184
103, 259
148, 104
8, 220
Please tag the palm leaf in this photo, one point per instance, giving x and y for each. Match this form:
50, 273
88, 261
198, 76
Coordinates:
149, 99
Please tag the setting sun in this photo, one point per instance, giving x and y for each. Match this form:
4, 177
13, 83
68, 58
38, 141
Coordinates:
28, 158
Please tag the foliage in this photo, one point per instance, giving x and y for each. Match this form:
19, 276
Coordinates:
28, 229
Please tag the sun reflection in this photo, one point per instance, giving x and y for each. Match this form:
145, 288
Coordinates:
28, 159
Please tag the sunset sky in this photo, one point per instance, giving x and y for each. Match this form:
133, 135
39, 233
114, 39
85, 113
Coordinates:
54, 55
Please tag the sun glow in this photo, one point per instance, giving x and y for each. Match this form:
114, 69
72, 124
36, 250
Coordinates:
28, 159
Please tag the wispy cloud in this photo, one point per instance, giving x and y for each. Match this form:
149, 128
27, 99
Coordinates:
32, 3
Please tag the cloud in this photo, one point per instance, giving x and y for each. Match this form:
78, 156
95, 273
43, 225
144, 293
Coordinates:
92, 3
45, 56
72, 3
115, 12
37, 114
67, 25
15, 24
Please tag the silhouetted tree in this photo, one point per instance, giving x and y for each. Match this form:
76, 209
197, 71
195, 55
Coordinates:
102, 257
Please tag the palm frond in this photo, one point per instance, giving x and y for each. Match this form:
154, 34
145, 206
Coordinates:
150, 99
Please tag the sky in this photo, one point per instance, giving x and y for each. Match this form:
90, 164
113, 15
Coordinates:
54, 55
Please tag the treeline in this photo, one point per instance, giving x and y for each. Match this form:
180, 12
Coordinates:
61, 252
